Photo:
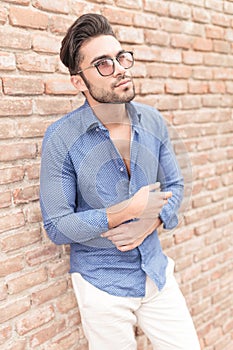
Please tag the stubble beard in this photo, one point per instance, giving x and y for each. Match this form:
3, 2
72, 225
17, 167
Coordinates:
106, 96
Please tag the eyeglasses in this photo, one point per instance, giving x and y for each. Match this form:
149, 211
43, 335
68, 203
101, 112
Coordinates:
106, 66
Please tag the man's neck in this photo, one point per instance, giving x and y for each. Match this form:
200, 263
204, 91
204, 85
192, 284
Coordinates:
111, 114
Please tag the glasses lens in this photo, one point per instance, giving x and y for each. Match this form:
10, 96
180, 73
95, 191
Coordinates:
126, 59
105, 67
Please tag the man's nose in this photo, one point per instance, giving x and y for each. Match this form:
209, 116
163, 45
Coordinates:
119, 69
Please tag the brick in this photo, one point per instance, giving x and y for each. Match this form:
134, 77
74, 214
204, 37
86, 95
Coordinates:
201, 16
171, 56
3, 15
7, 61
14, 107
46, 43
11, 265
171, 25
26, 195
192, 58
17, 151
201, 73
47, 333
181, 41
26, 281
196, 87
3, 296
168, 103
21, 345
229, 35
5, 199
150, 86
228, 7
60, 87
44, 106
9, 38
78, 7
199, 284
11, 309
33, 128
158, 7
156, 37
35, 319
118, 16
7, 129
66, 302
183, 235
110, 2
139, 70
20, 239
181, 72
42, 254
51, 292
5, 333
217, 87
33, 171
180, 11
20, 2
11, 221
146, 20
158, 70
33, 213
58, 268
22, 86
214, 32
131, 4
213, 336
221, 46
130, 35
28, 18
58, 6
202, 44
11, 175
59, 24
33, 62
66, 342
176, 87
214, 5
220, 19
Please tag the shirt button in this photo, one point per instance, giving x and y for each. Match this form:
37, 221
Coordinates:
97, 129
121, 169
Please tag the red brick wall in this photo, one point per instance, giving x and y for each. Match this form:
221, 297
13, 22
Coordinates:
185, 69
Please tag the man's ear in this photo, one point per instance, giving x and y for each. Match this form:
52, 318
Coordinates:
78, 83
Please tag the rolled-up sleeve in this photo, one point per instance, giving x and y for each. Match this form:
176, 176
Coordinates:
171, 179
58, 192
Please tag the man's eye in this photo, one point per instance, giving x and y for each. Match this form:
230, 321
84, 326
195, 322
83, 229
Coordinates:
104, 63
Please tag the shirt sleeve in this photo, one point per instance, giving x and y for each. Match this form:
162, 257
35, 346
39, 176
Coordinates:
171, 179
58, 191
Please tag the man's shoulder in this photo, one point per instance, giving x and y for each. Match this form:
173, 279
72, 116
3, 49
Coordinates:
148, 113
65, 120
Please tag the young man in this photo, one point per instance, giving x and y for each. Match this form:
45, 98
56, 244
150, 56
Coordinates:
109, 179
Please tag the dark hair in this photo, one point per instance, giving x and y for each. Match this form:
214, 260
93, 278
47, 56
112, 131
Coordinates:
84, 28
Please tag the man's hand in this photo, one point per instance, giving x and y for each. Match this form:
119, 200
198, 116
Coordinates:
148, 201
131, 235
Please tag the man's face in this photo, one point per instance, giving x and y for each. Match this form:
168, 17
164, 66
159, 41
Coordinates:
115, 88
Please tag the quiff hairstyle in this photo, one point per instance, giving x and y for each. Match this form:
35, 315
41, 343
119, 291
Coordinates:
83, 29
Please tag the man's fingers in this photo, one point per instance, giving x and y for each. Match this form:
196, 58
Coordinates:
167, 195
154, 187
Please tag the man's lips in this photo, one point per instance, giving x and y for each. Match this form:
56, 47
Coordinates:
123, 82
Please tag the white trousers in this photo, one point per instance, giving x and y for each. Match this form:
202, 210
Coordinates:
108, 321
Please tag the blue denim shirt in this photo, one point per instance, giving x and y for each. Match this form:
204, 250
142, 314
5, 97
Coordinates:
82, 173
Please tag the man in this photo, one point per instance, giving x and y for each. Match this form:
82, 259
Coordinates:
109, 179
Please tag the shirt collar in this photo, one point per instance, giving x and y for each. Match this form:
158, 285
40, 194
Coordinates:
91, 121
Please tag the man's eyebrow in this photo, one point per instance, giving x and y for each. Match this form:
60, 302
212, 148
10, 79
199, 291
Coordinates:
105, 56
